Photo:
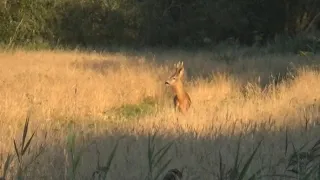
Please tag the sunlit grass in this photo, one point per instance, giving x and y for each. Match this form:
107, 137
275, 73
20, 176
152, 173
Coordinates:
105, 94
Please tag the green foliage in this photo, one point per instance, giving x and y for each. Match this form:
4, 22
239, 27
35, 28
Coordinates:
25, 21
73, 154
156, 162
22, 151
91, 23
237, 173
102, 171
305, 164
6, 166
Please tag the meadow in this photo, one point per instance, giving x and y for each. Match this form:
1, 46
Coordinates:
82, 103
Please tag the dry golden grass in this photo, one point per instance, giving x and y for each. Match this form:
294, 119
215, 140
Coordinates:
59, 87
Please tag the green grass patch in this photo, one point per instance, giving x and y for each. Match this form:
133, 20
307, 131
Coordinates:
132, 111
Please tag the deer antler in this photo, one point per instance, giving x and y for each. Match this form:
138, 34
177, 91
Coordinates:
179, 65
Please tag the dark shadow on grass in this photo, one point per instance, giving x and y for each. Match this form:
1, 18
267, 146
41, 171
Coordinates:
208, 157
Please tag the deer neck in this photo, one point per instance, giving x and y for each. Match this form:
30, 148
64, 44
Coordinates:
179, 90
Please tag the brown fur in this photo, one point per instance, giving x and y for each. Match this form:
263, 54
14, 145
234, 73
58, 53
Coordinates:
181, 99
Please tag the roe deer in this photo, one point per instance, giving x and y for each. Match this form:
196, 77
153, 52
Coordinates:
181, 99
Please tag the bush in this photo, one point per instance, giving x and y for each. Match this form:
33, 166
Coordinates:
152, 22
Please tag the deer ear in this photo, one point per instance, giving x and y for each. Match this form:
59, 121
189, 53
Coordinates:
181, 71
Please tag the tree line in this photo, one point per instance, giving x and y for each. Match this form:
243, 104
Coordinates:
154, 22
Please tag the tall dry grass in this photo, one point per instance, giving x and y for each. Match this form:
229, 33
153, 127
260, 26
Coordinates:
227, 98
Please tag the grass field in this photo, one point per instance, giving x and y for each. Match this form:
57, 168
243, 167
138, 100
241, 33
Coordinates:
269, 97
